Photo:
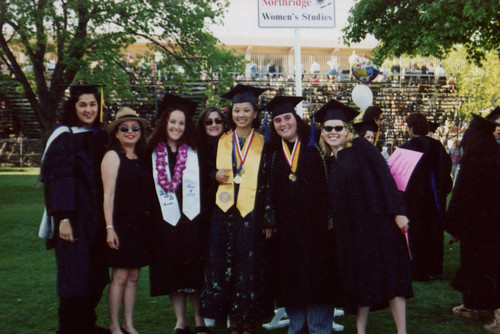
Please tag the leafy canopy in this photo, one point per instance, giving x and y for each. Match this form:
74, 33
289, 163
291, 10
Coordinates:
426, 27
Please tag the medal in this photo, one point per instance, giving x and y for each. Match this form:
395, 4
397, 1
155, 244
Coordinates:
292, 177
237, 179
239, 156
225, 197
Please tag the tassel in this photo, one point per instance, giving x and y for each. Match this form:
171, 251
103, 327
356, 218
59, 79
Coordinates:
312, 140
101, 107
266, 128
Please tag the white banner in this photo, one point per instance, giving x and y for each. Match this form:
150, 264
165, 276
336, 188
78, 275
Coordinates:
297, 13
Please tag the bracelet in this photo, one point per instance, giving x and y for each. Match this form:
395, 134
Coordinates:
109, 226
65, 220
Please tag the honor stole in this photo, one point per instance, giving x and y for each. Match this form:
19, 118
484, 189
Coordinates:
292, 158
248, 187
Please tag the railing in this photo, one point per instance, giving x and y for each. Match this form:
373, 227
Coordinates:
20, 152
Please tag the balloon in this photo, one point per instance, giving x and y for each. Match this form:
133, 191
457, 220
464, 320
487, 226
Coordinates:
364, 70
362, 96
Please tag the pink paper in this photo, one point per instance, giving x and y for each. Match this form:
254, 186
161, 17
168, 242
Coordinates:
402, 162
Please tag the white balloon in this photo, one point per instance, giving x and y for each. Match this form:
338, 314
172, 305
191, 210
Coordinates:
362, 96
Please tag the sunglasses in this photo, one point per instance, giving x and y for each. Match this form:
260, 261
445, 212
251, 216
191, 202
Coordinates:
212, 121
337, 128
134, 128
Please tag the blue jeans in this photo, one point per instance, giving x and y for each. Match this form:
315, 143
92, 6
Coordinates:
311, 319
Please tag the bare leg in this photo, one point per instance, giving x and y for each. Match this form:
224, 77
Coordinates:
398, 309
234, 327
115, 295
179, 304
362, 319
129, 299
195, 302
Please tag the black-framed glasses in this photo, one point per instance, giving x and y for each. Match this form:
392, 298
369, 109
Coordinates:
337, 128
211, 121
134, 128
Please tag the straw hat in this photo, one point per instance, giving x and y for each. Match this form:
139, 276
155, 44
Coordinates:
126, 114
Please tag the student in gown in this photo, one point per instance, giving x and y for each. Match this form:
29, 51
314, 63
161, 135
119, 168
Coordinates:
73, 198
368, 220
176, 267
373, 113
426, 193
304, 252
473, 218
127, 185
366, 129
237, 285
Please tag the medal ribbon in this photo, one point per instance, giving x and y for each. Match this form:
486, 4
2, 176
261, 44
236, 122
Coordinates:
293, 158
239, 158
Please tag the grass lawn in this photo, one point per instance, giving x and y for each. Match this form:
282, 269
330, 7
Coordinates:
28, 302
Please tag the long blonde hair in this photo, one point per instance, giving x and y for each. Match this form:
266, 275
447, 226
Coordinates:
327, 150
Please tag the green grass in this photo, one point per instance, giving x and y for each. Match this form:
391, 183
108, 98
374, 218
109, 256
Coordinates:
28, 302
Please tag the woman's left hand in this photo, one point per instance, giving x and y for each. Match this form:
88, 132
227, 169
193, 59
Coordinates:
402, 222
268, 232
112, 239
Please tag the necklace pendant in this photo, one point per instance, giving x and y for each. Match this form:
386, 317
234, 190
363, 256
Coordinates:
237, 179
292, 177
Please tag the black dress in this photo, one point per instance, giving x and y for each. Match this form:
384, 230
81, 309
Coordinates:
426, 195
373, 256
177, 251
131, 214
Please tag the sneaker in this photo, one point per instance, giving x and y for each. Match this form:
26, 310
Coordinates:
465, 312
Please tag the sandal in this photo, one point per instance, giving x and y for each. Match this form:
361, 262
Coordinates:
494, 327
465, 312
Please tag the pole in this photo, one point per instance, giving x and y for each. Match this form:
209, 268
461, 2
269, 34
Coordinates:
298, 71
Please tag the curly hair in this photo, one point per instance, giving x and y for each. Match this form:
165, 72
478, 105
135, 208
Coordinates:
140, 146
159, 134
69, 116
203, 117
302, 131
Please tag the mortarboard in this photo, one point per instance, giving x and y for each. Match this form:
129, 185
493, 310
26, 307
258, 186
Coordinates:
335, 110
171, 99
433, 126
361, 127
244, 93
482, 124
280, 105
493, 114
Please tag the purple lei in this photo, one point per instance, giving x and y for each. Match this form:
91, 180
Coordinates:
161, 167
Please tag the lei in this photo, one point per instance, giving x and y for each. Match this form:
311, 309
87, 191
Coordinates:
161, 167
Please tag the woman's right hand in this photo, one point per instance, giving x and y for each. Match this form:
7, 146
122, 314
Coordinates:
112, 239
222, 175
65, 230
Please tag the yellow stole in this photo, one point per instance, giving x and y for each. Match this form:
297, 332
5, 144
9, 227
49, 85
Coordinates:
248, 187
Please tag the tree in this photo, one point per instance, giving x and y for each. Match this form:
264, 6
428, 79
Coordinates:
426, 27
88, 38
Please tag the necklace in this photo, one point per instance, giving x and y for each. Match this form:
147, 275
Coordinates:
161, 167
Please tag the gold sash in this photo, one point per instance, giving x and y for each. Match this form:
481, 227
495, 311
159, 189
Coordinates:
248, 187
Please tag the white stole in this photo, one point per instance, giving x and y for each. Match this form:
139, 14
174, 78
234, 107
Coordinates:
47, 224
190, 190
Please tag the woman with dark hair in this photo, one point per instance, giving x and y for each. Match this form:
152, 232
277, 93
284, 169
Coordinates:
235, 269
72, 185
425, 196
177, 249
373, 113
211, 124
305, 269
473, 218
126, 184
368, 220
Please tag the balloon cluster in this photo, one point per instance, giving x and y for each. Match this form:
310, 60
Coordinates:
364, 70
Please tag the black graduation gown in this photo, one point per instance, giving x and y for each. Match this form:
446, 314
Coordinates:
373, 256
303, 256
426, 205
176, 251
474, 218
73, 189
236, 268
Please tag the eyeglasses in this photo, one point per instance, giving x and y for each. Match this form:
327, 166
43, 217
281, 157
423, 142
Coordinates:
212, 121
337, 128
134, 128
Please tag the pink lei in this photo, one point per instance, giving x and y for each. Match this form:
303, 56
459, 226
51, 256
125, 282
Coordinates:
161, 167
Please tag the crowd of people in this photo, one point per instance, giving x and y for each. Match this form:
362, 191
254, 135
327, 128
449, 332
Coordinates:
239, 223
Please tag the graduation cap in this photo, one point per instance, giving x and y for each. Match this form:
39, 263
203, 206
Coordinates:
482, 124
280, 105
335, 110
362, 127
171, 99
244, 93
494, 114
96, 89
433, 126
